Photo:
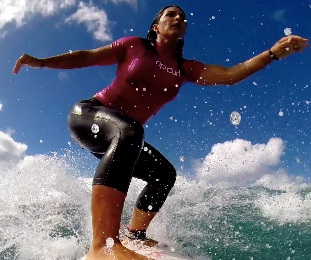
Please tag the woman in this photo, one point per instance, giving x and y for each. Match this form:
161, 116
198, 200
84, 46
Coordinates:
150, 72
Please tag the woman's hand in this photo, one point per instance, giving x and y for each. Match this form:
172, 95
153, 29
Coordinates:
28, 60
288, 45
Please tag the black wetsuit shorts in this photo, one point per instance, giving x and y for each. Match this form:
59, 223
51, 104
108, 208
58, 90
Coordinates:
118, 141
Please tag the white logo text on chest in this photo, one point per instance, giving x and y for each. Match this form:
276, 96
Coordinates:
168, 70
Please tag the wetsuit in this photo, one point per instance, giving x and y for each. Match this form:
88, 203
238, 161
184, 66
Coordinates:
110, 124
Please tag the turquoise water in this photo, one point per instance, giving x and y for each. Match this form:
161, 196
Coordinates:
45, 214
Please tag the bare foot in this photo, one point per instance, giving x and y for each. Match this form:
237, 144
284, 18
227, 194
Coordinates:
148, 242
116, 252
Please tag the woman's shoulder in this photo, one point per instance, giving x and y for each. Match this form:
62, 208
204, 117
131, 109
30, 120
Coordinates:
192, 64
128, 40
193, 69
125, 44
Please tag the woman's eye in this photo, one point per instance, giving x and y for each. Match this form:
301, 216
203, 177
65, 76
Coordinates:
173, 14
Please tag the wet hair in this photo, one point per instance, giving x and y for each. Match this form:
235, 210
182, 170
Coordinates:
150, 43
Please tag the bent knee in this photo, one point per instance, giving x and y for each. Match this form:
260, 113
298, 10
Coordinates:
171, 178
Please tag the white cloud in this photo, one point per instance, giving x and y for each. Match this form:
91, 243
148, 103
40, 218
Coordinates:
1, 106
280, 180
10, 150
239, 162
19, 11
130, 2
95, 20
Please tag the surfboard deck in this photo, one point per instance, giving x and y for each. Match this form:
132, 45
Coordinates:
158, 252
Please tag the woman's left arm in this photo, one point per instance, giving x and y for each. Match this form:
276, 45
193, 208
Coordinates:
218, 75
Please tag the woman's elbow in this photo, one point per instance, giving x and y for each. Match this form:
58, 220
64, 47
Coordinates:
232, 81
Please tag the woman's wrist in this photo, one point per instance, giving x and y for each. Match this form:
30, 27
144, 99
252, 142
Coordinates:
41, 63
273, 56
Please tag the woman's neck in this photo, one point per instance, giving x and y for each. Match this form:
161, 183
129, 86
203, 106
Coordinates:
166, 47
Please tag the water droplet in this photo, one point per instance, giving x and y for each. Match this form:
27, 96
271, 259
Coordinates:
109, 242
235, 118
288, 31
95, 128
149, 207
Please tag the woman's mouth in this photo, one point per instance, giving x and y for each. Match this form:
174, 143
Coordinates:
177, 25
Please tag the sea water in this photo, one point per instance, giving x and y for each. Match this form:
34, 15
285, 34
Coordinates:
45, 214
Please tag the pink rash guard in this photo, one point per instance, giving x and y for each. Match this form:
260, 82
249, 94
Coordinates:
145, 81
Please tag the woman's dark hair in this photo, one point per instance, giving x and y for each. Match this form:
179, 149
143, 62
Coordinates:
152, 37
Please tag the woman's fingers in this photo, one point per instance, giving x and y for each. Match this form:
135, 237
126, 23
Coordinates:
17, 67
26, 59
288, 45
19, 63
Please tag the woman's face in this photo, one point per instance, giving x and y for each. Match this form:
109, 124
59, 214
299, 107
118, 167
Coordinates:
172, 23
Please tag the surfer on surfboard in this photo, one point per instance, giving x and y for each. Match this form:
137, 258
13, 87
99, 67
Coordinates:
150, 73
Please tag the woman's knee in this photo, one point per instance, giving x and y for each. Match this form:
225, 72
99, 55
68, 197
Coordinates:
170, 177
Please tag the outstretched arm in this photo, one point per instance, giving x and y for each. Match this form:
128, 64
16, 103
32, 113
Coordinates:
218, 75
71, 60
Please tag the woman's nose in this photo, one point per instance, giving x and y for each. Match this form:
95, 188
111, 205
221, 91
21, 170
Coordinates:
178, 17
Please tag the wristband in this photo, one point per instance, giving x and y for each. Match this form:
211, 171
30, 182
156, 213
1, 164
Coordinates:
273, 56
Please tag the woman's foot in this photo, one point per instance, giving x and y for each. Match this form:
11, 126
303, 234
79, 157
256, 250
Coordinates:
116, 252
147, 242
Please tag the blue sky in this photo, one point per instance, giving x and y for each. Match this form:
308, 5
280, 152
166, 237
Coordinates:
274, 104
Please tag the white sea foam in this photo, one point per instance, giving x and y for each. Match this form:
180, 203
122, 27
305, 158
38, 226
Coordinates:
45, 209
40, 200
288, 207
291, 205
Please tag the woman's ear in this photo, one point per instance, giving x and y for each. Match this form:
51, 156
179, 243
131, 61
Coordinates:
155, 28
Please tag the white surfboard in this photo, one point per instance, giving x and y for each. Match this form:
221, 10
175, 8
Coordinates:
158, 252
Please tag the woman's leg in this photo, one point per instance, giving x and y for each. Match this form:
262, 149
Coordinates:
117, 139
160, 176
107, 205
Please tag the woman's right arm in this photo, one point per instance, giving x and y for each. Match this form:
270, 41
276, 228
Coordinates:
71, 60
